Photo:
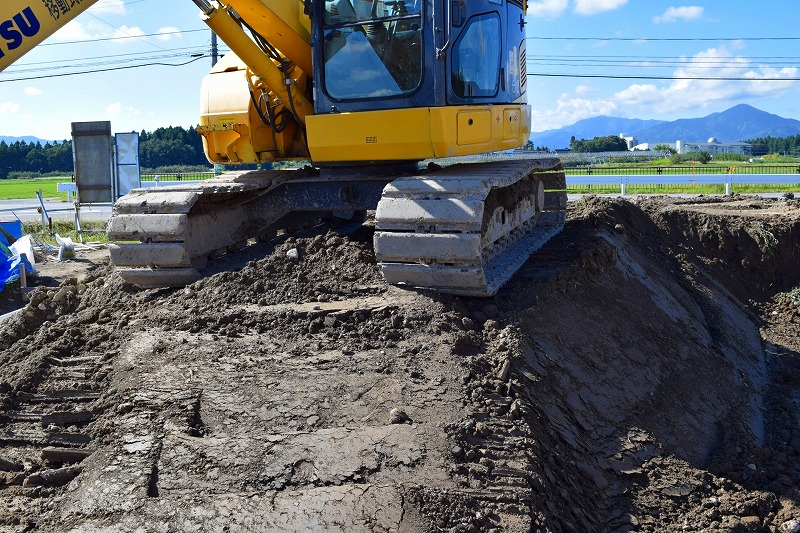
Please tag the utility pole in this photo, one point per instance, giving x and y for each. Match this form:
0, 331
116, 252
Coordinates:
214, 49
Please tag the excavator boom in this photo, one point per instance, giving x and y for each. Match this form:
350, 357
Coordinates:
26, 23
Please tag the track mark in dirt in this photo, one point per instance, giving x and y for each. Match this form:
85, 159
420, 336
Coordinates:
637, 374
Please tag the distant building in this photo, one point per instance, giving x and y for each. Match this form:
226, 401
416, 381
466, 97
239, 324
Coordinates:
645, 147
713, 146
630, 141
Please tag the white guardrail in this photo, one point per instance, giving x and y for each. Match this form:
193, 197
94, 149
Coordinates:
729, 180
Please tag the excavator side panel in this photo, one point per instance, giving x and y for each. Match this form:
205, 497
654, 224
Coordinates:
417, 133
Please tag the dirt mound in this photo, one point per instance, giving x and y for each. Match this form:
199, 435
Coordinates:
639, 373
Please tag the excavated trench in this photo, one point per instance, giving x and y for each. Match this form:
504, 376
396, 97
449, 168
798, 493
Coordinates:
638, 374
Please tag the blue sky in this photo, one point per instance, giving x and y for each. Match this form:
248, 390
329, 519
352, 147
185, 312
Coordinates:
651, 38
112, 34
586, 57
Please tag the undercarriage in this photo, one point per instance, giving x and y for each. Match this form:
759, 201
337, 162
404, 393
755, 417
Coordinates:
463, 229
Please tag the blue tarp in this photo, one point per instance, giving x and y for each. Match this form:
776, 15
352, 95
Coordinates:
9, 270
14, 228
9, 263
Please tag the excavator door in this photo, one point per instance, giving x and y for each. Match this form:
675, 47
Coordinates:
486, 56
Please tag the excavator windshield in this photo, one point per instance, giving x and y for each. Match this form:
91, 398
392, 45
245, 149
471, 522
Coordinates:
372, 49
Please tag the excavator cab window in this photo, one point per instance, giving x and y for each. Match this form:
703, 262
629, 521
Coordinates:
373, 48
476, 58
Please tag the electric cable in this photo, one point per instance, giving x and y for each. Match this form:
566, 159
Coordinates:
105, 70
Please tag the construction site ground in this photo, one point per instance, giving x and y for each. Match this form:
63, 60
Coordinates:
640, 373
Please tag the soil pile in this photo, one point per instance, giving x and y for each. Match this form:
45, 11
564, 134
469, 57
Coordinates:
638, 374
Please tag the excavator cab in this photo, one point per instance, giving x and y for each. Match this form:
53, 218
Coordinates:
379, 54
449, 73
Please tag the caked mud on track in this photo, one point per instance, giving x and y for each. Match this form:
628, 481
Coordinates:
637, 374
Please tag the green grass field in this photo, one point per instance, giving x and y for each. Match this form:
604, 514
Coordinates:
20, 189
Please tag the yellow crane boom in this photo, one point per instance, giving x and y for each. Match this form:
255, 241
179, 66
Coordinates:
26, 23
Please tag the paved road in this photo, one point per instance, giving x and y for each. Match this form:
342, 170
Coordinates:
27, 210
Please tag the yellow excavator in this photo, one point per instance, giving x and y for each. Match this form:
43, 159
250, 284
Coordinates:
365, 90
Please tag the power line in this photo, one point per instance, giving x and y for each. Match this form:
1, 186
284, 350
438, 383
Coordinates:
70, 61
101, 39
106, 70
644, 58
139, 37
665, 78
661, 39
685, 66
603, 61
112, 2
159, 57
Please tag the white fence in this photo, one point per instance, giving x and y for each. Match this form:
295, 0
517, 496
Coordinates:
729, 180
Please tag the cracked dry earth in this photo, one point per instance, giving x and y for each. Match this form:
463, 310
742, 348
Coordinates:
640, 373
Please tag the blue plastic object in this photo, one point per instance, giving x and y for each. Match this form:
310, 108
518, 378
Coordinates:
13, 227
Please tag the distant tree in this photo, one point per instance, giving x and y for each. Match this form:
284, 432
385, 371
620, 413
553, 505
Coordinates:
776, 145
610, 143
59, 157
163, 147
4, 161
171, 146
35, 159
663, 147
699, 157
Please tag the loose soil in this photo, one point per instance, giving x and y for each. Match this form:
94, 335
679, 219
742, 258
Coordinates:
640, 373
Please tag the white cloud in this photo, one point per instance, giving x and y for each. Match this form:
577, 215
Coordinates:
127, 31
74, 31
672, 97
591, 7
547, 8
554, 8
33, 91
117, 111
89, 30
8, 107
674, 14
173, 31
570, 109
113, 110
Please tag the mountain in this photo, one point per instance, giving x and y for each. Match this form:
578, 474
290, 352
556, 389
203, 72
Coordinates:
27, 139
738, 123
589, 129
